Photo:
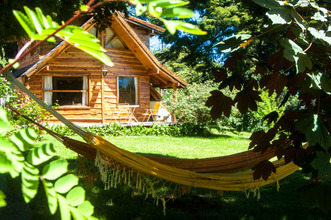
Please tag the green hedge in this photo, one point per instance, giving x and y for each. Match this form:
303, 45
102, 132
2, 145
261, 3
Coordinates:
185, 129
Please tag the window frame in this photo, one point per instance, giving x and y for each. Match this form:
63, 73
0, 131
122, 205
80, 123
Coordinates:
136, 83
87, 90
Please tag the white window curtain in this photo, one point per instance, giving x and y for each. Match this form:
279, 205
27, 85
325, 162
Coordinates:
85, 94
48, 85
136, 88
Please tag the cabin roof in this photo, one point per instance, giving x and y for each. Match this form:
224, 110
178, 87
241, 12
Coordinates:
160, 75
133, 20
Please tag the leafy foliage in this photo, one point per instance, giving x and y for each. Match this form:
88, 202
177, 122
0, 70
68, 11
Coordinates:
180, 130
41, 27
220, 19
18, 157
164, 10
287, 58
190, 106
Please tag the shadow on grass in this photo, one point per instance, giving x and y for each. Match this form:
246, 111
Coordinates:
200, 204
206, 204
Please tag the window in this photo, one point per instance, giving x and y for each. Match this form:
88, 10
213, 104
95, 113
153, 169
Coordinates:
66, 91
127, 90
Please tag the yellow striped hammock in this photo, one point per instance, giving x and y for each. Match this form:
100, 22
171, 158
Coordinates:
118, 166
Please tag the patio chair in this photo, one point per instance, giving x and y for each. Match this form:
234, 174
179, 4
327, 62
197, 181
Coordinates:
151, 113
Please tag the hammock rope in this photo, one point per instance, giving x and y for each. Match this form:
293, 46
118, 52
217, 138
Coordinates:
120, 166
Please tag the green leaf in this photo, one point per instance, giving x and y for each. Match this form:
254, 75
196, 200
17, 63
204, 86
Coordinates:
319, 17
167, 3
25, 23
2, 199
24, 139
279, 13
86, 208
302, 62
326, 84
268, 3
232, 43
64, 208
17, 160
177, 12
4, 122
172, 26
294, 52
34, 19
290, 48
41, 154
7, 146
76, 196
97, 54
30, 182
320, 35
140, 9
64, 184
45, 22
311, 85
51, 196
76, 214
322, 164
84, 7
314, 130
55, 169
5, 164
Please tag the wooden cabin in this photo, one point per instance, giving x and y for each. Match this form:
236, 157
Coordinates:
85, 90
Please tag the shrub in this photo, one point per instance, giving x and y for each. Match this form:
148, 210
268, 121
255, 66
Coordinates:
185, 129
190, 106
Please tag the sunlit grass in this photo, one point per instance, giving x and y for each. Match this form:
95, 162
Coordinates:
180, 147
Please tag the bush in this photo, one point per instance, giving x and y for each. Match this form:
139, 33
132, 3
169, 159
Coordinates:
190, 106
185, 129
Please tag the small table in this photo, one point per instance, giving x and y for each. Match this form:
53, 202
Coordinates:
127, 110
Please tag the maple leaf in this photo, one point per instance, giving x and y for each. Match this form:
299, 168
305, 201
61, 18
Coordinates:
220, 104
286, 122
252, 83
260, 140
247, 99
232, 81
232, 61
295, 155
271, 117
281, 144
312, 126
278, 62
276, 82
220, 75
263, 169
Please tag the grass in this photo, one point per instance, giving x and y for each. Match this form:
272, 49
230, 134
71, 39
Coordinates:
180, 147
201, 203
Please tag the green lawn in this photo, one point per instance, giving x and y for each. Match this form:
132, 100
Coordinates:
181, 147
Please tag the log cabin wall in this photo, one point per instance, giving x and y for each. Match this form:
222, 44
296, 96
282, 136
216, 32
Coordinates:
143, 34
125, 64
74, 62
37, 54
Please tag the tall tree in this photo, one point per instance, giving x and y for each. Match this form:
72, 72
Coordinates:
220, 18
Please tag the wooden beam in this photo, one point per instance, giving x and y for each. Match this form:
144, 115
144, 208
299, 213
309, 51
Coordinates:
102, 98
174, 87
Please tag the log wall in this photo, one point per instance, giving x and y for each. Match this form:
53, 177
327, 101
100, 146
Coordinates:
76, 62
